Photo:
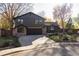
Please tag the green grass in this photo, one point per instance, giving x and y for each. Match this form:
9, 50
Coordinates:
61, 37
9, 40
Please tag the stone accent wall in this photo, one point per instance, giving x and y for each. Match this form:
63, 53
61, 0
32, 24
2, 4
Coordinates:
23, 33
15, 32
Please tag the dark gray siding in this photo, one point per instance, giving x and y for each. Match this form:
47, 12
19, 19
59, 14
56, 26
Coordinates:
29, 20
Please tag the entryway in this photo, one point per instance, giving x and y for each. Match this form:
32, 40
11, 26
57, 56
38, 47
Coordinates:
21, 31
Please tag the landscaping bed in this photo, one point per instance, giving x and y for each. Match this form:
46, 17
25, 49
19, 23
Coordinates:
9, 42
64, 37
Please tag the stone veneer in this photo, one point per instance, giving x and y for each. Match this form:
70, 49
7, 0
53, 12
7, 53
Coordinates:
15, 33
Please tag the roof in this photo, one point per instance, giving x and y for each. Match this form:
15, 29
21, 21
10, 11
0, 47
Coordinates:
27, 14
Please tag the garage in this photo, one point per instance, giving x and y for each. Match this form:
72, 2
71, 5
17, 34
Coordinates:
34, 31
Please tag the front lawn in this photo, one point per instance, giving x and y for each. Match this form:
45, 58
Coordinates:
9, 42
64, 37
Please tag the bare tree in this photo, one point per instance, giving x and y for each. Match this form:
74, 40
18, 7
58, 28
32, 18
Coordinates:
77, 18
10, 10
69, 24
62, 12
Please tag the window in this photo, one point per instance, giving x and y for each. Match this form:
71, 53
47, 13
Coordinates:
20, 20
38, 21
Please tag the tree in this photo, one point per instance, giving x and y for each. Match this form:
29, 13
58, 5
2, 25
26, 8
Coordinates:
62, 12
4, 24
69, 23
77, 18
76, 22
10, 10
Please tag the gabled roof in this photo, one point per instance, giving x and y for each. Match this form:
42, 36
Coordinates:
29, 13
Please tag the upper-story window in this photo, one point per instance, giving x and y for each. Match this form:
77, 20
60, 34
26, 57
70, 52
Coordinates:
20, 20
38, 21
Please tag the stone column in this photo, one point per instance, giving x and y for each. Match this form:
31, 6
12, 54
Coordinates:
44, 30
15, 32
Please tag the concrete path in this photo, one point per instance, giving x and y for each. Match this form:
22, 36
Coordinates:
32, 39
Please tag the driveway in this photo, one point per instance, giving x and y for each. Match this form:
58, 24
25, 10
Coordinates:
32, 39
50, 49
46, 47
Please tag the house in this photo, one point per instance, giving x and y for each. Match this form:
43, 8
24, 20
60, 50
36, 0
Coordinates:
28, 24
52, 27
31, 24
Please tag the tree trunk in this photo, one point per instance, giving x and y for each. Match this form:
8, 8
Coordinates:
62, 23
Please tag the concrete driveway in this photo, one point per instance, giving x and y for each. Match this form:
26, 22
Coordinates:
32, 39
45, 47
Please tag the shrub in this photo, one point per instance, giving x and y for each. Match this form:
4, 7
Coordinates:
9, 41
56, 38
63, 37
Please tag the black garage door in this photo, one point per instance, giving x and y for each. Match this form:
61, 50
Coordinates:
34, 31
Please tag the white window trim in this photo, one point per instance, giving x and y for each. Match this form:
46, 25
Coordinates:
38, 21
20, 20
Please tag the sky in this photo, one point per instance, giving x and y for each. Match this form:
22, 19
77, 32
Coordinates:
48, 8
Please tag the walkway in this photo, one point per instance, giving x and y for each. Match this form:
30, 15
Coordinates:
32, 39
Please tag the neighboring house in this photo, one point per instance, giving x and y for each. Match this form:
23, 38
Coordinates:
51, 25
52, 28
